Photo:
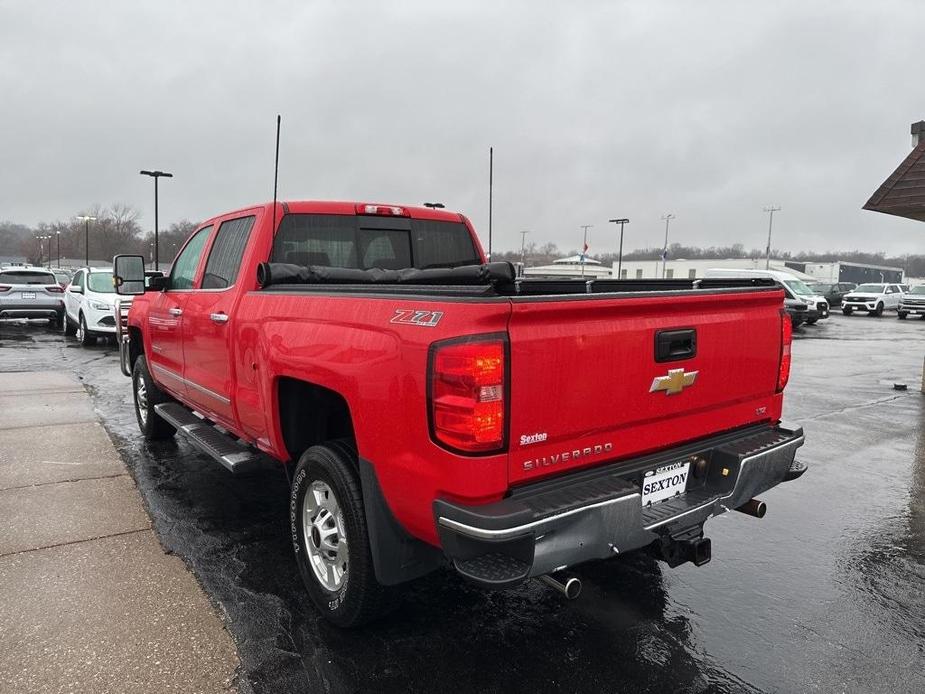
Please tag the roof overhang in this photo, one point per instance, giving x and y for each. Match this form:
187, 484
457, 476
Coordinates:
903, 193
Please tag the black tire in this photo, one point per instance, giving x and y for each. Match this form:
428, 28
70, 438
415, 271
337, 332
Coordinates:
901, 315
146, 395
84, 337
56, 322
847, 310
70, 329
359, 597
877, 311
812, 321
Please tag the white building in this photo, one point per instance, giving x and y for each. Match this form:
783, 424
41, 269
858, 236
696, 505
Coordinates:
689, 269
572, 266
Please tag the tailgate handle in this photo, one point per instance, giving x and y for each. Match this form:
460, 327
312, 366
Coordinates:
674, 345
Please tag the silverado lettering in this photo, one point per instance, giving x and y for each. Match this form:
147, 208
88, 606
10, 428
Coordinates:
269, 339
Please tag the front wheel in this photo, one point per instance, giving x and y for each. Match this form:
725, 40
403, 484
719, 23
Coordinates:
330, 537
147, 395
902, 315
84, 337
847, 310
877, 311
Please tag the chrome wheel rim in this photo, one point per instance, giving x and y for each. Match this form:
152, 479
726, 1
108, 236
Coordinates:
81, 332
141, 400
323, 535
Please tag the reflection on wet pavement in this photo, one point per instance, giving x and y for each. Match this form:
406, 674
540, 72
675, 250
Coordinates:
823, 594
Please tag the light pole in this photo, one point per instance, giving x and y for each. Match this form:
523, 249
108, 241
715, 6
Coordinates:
49, 237
156, 175
584, 248
523, 252
667, 218
621, 222
58, 236
87, 219
770, 209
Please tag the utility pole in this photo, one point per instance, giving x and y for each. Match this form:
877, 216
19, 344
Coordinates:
584, 248
621, 222
667, 218
156, 175
58, 236
770, 209
523, 253
87, 219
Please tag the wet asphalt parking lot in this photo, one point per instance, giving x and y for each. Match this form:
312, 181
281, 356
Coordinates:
826, 593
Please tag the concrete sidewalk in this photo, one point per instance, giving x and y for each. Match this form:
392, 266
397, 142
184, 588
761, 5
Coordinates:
88, 599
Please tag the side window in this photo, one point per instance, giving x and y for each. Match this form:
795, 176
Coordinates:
227, 250
623, 274
669, 274
691, 274
184, 267
79, 279
638, 274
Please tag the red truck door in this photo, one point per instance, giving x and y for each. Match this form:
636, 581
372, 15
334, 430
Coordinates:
165, 316
207, 344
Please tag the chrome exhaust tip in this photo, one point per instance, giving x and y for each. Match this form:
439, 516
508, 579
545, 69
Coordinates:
571, 589
754, 507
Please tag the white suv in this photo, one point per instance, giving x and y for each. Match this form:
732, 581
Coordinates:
89, 301
873, 298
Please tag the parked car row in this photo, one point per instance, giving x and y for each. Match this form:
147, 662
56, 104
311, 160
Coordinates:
81, 304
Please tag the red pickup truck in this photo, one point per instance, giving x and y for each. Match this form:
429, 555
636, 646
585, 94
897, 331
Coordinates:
433, 409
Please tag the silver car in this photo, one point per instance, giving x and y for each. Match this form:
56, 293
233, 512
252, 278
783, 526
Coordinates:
31, 292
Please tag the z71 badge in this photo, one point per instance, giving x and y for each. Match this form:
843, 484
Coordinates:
425, 319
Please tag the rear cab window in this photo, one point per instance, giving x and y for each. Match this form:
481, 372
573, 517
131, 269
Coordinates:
360, 242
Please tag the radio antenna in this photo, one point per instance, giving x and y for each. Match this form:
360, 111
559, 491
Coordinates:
276, 170
491, 181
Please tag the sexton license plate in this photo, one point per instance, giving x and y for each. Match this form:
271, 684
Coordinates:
28, 295
664, 482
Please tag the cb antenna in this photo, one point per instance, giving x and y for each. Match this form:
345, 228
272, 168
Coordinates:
491, 181
276, 170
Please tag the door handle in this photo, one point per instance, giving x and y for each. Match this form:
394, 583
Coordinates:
175, 311
219, 317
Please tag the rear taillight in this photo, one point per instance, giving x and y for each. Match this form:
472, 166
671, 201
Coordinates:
786, 339
467, 394
54, 289
5, 287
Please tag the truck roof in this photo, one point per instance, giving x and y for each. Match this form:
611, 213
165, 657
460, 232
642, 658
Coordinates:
343, 207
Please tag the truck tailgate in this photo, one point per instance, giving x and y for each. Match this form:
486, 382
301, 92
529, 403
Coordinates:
583, 370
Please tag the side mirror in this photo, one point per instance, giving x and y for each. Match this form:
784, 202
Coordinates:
158, 283
128, 274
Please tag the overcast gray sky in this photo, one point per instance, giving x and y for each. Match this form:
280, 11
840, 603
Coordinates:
707, 110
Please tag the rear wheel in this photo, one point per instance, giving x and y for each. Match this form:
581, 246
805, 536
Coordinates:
56, 322
330, 536
902, 315
877, 311
147, 395
69, 327
84, 336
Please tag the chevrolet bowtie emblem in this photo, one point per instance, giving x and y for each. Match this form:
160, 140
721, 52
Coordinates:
676, 381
